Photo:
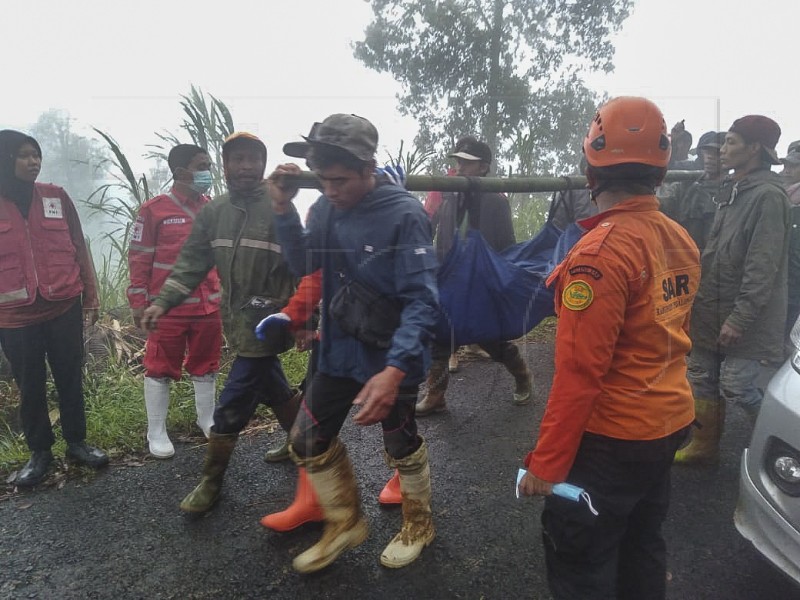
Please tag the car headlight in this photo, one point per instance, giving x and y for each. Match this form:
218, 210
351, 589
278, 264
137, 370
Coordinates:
782, 464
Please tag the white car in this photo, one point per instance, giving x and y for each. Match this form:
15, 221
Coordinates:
768, 510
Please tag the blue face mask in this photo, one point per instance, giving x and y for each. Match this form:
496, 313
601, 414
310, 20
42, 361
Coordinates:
202, 181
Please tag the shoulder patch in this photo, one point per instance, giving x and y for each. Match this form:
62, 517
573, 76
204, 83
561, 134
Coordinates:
589, 270
578, 295
593, 240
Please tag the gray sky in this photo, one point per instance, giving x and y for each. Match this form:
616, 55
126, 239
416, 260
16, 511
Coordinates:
279, 66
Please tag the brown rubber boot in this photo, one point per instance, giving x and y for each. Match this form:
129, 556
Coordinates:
523, 391
331, 475
433, 400
703, 449
285, 413
218, 455
417, 531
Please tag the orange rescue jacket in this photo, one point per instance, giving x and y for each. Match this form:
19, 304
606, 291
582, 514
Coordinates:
623, 300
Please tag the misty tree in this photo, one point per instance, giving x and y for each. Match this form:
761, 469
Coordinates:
509, 71
69, 160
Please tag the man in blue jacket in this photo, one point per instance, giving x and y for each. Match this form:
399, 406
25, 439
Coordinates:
372, 239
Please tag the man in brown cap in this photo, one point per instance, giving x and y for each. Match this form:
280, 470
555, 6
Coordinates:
372, 240
739, 315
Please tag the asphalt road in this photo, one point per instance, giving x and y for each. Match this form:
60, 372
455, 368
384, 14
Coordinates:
121, 535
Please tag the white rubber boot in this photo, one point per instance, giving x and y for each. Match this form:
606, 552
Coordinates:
156, 401
205, 394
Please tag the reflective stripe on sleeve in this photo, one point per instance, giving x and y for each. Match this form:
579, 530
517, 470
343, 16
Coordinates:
14, 296
221, 243
177, 286
166, 266
145, 249
261, 245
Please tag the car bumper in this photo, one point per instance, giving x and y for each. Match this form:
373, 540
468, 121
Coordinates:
771, 534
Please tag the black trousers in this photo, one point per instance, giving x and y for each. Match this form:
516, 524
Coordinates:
251, 380
59, 343
325, 406
620, 553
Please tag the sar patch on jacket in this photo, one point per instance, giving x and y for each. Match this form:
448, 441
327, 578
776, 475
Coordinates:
589, 270
674, 296
578, 295
52, 208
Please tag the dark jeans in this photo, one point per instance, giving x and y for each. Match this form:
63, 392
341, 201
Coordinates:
620, 553
59, 343
326, 405
251, 381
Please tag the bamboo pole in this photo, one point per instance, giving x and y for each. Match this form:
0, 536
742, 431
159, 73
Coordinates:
440, 183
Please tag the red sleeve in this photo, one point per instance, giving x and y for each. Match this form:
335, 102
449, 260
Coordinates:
140, 257
301, 306
586, 338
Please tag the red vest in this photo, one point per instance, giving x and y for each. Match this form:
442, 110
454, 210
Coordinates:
38, 254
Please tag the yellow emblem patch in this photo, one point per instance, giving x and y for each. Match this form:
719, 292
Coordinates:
578, 295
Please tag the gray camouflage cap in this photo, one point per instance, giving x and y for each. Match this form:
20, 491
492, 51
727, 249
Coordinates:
352, 133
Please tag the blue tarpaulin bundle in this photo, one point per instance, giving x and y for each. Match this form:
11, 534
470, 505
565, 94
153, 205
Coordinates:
489, 296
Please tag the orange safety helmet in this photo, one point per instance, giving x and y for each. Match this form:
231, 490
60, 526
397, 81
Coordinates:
627, 129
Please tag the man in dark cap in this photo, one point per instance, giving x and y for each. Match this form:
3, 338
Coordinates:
372, 240
47, 294
489, 213
235, 233
739, 315
693, 204
791, 180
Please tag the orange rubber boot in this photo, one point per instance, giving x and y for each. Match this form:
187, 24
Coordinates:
304, 509
390, 494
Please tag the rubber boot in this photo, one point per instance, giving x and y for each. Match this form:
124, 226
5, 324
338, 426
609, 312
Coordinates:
390, 494
523, 379
418, 530
331, 475
278, 453
433, 400
202, 498
205, 393
285, 413
304, 509
452, 363
703, 449
156, 402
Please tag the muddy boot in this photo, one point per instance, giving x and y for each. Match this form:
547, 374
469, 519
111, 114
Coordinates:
205, 393
390, 494
304, 509
331, 475
523, 379
156, 403
202, 498
433, 400
452, 363
417, 531
278, 453
703, 449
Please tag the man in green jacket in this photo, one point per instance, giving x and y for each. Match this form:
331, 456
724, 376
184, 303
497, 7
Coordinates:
236, 234
693, 204
738, 317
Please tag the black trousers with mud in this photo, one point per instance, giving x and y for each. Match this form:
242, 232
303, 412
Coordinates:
325, 406
621, 553
59, 343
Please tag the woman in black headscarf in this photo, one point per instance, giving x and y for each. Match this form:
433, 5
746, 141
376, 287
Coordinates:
47, 293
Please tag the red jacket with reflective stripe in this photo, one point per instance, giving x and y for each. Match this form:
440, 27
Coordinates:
46, 254
163, 224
